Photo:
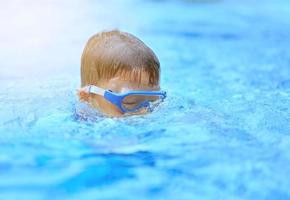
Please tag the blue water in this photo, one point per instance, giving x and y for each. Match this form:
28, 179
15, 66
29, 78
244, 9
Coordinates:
222, 133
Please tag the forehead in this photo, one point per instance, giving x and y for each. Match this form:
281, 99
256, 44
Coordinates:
131, 81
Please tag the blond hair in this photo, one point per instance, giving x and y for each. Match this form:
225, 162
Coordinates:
109, 53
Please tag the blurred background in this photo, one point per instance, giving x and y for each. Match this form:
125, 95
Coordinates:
46, 37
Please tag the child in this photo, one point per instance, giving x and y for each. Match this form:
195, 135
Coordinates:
119, 74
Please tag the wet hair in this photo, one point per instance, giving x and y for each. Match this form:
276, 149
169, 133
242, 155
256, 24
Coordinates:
111, 53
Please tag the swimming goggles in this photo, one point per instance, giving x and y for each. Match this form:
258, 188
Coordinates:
130, 101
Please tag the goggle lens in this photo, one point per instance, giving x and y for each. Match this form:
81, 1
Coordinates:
134, 102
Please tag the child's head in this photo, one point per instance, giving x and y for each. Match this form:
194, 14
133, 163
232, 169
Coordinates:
119, 62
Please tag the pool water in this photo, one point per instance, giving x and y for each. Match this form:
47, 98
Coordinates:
222, 133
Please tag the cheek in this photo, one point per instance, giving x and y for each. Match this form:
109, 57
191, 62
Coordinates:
107, 107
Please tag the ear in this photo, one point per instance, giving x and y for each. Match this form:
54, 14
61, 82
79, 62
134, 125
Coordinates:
83, 94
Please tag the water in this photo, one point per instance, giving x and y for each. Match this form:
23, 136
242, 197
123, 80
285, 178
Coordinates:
222, 133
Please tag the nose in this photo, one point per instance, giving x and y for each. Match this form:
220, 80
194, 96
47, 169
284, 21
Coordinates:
141, 111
